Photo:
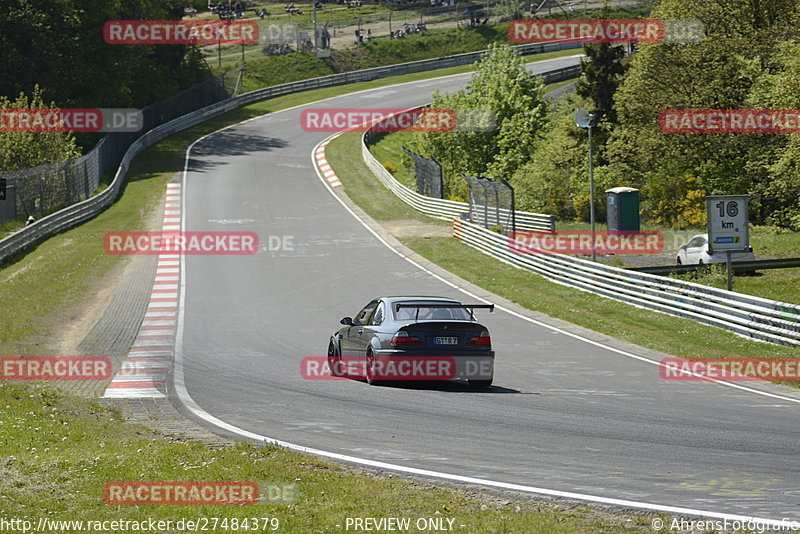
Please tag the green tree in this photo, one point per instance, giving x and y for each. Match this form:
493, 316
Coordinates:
59, 46
501, 87
556, 178
20, 150
717, 72
779, 88
601, 73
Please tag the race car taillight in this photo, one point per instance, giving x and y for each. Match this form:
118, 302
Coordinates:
481, 341
402, 338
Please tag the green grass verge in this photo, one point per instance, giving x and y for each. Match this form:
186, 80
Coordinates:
388, 149
268, 71
671, 335
59, 451
776, 284
39, 290
782, 285
431, 44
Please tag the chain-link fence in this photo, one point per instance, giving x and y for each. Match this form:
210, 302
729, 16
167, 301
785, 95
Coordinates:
290, 29
491, 204
280, 35
47, 188
428, 173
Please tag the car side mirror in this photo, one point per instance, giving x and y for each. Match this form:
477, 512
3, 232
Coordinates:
683, 247
348, 321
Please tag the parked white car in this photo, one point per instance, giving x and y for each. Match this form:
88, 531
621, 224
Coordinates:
695, 252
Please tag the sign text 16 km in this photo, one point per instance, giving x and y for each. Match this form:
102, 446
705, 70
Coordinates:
727, 223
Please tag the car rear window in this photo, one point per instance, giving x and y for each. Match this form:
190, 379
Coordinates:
432, 314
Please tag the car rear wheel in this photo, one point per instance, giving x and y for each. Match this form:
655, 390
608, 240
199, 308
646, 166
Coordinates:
480, 384
334, 359
370, 371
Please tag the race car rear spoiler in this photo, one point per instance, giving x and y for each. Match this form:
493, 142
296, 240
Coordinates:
489, 307
470, 307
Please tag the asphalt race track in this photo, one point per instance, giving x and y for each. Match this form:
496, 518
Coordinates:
564, 414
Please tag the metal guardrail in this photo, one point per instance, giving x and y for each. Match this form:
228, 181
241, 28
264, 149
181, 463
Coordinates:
445, 209
82, 211
85, 210
753, 317
449, 209
738, 266
47, 188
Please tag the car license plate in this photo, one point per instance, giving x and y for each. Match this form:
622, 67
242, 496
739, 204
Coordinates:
446, 341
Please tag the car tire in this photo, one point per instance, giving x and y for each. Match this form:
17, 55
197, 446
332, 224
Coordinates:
678, 261
334, 359
370, 370
480, 384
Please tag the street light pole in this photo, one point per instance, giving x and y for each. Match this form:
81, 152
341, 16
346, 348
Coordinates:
315, 25
584, 119
591, 191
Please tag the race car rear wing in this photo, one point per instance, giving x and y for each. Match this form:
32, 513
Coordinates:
470, 307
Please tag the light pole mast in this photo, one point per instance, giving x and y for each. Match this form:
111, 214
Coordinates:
584, 119
315, 26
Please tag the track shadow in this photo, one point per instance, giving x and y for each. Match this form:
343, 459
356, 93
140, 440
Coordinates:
210, 152
453, 386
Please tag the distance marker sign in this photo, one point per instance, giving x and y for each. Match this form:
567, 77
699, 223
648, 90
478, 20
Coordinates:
727, 223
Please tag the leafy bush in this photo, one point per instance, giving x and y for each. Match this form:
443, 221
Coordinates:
676, 201
19, 150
